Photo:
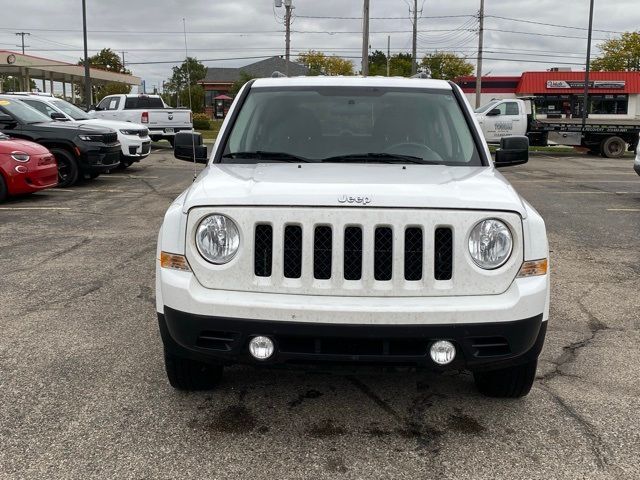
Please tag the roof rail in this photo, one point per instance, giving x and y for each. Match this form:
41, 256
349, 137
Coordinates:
277, 74
422, 75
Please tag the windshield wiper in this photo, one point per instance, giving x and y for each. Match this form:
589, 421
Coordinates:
263, 155
379, 158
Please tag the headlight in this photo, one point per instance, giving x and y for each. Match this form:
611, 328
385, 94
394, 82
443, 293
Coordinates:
490, 244
129, 132
90, 138
20, 156
217, 239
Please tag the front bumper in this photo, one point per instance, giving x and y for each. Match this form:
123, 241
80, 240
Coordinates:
101, 158
480, 346
134, 148
37, 177
636, 165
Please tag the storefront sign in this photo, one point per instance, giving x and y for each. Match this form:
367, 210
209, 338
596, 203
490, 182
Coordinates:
595, 84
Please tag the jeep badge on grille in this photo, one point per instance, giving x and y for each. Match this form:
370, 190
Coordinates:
357, 199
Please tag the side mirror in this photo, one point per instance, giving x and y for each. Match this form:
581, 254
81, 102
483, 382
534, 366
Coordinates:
6, 119
512, 151
58, 116
93, 107
493, 112
183, 147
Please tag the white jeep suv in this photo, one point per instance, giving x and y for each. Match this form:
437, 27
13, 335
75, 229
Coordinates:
349, 220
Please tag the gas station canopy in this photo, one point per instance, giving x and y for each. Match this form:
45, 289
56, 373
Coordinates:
29, 67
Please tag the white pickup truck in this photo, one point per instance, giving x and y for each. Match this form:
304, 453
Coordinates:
162, 121
516, 116
349, 220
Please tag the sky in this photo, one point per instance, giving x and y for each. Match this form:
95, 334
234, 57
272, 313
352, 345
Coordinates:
531, 35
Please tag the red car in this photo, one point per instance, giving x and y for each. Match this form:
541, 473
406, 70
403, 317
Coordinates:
25, 167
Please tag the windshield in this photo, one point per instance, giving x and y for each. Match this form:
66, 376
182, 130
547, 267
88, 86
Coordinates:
71, 110
22, 111
351, 124
486, 107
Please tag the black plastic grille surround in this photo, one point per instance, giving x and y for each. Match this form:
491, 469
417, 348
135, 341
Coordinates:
383, 254
322, 249
443, 254
352, 253
263, 251
413, 253
292, 261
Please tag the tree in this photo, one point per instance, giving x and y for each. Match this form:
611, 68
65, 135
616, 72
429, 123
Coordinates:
377, 63
619, 54
190, 72
15, 83
400, 64
446, 66
105, 59
320, 64
238, 84
197, 98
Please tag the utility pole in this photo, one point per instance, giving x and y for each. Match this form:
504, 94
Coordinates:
388, 55
479, 63
585, 100
365, 39
87, 75
287, 42
414, 62
22, 34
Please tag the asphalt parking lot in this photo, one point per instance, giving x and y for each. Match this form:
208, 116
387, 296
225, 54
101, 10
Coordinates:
83, 393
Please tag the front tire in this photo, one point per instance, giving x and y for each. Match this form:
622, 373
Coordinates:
3, 189
190, 375
511, 382
68, 171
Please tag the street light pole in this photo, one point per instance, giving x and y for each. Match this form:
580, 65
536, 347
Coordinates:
585, 100
87, 75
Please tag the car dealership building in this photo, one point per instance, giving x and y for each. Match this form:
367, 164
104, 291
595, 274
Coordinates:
613, 95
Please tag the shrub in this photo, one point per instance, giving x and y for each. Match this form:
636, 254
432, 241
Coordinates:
201, 121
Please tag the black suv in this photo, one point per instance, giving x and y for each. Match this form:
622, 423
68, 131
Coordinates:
80, 150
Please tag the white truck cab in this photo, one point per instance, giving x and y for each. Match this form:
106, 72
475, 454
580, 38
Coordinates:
502, 118
350, 220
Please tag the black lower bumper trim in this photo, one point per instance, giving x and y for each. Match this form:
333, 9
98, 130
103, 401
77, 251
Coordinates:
480, 346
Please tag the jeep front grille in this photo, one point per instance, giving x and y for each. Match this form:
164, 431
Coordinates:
352, 253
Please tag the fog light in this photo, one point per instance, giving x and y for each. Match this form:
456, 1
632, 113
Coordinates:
442, 352
261, 347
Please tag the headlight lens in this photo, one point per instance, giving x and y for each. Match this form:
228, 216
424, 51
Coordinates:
129, 132
490, 244
90, 138
217, 239
20, 156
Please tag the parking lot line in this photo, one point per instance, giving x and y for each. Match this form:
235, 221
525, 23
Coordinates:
131, 176
623, 209
35, 208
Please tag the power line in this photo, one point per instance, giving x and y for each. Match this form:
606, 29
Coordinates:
540, 34
550, 24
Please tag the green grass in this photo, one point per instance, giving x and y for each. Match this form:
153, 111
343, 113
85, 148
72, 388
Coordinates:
212, 133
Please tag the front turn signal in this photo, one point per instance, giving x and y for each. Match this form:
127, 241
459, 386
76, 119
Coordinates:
173, 261
533, 268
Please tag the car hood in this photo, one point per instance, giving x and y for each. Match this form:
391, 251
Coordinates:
353, 185
76, 126
115, 124
11, 144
